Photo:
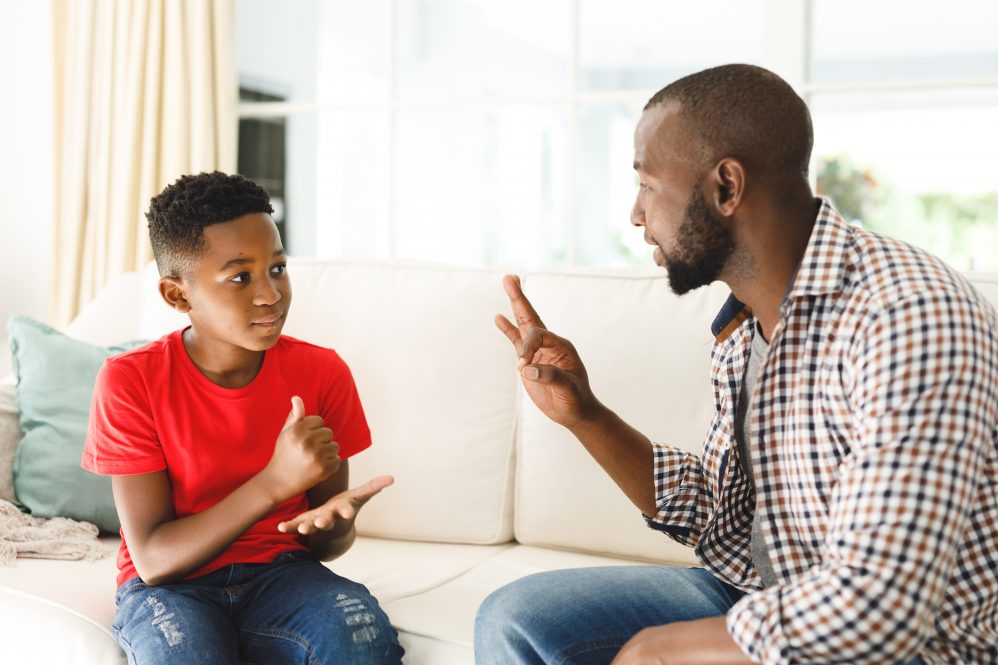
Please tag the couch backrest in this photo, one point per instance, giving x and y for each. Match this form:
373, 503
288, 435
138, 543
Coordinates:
435, 379
647, 354
440, 391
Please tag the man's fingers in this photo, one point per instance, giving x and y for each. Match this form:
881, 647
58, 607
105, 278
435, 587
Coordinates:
546, 374
525, 314
534, 340
511, 332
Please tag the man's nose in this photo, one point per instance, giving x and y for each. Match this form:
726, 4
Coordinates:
638, 213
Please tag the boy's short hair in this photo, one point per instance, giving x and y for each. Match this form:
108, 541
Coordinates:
178, 215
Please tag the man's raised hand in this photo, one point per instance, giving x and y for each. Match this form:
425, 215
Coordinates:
552, 372
304, 455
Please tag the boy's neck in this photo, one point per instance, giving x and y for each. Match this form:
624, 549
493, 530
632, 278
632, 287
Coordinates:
223, 364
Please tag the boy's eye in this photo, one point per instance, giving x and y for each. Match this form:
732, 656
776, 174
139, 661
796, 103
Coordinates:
241, 278
279, 268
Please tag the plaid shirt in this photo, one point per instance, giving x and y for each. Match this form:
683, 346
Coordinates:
875, 454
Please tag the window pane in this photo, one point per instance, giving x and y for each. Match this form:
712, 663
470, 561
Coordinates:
275, 48
607, 186
889, 40
482, 187
483, 48
914, 166
310, 50
645, 44
352, 172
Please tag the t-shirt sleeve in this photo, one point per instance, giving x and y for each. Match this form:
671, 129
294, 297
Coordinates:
121, 434
340, 407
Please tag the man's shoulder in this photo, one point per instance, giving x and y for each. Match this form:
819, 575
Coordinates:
883, 272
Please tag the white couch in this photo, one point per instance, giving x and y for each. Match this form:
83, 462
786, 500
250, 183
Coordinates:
488, 490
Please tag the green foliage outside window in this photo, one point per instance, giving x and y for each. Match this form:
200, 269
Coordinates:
962, 230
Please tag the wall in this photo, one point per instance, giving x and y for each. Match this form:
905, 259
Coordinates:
26, 163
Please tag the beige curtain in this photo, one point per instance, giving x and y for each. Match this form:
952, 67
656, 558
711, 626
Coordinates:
145, 92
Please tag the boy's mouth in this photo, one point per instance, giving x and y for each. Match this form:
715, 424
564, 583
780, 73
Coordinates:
269, 322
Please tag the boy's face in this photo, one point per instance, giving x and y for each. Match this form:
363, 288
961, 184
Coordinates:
238, 292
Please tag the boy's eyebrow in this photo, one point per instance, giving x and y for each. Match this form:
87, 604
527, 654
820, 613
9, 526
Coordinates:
243, 261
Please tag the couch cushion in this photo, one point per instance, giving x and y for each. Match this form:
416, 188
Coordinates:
55, 382
647, 353
113, 315
77, 597
447, 612
437, 384
35, 631
393, 569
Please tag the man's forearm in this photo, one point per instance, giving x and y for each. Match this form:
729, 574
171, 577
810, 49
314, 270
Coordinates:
624, 453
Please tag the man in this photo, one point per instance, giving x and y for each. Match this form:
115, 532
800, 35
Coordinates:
845, 505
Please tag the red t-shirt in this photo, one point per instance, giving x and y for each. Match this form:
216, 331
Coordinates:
153, 410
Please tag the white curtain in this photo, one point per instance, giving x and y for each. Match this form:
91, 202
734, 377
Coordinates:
146, 91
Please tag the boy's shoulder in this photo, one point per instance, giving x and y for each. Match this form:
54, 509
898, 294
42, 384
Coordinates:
308, 354
143, 355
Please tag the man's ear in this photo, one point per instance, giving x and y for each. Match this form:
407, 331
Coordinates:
728, 178
173, 291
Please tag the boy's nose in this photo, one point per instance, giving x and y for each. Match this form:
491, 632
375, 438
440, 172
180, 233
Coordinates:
267, 294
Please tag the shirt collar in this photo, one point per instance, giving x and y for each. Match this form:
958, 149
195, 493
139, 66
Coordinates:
821, 270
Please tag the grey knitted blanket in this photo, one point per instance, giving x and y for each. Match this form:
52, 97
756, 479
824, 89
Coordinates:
22, 535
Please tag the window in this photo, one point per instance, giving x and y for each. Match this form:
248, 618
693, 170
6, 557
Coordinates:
905, 104
479, 133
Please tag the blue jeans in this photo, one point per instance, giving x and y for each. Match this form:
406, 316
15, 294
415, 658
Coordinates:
294, 610
583, 617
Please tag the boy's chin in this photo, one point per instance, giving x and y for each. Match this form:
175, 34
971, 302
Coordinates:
263, 342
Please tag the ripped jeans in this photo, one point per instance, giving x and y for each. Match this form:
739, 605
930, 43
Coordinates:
294, 610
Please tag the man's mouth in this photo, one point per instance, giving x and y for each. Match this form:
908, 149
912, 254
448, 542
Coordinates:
658, 256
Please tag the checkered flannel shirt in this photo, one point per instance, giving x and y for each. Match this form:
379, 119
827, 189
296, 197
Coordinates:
875, 454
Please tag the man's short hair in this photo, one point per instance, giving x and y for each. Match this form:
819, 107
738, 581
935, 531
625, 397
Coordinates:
179, 214
745, 112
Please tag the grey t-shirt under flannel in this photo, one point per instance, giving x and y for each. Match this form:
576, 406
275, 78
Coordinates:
744, 438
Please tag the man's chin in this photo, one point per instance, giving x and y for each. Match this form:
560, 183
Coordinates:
682, 281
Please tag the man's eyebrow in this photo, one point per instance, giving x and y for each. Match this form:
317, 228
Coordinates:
245, 261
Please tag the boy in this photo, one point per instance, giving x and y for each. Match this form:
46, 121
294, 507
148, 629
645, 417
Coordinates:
227, 501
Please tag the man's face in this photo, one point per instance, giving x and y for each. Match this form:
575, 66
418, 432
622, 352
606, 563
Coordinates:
239, 292
691, 242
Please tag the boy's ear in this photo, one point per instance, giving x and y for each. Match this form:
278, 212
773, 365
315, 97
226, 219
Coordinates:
172, 291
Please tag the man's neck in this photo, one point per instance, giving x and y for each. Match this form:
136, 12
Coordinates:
775, 251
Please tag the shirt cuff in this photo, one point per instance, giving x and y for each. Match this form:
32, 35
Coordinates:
755, 626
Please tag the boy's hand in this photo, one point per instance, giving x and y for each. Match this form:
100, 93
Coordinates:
552, 372
338, 512
304, 455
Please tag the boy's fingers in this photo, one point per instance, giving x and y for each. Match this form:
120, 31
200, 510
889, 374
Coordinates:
297, 411
360, 495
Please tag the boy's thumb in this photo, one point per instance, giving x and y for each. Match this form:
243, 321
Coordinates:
297, 411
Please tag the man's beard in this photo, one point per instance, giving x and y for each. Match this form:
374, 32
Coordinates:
703, 247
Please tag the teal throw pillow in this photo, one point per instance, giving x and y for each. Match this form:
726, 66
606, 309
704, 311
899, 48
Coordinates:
55, 382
